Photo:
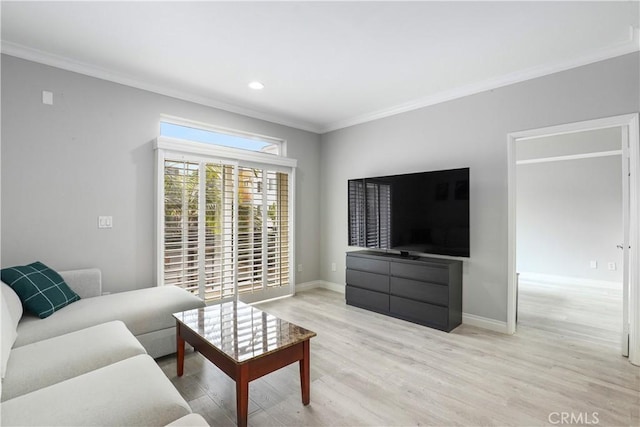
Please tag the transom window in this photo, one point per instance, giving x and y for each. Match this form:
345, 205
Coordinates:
219, 137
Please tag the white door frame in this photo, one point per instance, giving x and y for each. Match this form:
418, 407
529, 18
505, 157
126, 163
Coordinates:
629, 125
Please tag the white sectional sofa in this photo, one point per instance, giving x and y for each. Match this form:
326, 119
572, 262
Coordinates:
83, 365
146, 312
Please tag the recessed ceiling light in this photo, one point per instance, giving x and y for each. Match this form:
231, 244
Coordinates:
256, 85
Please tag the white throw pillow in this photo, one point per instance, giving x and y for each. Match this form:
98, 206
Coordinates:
9, 334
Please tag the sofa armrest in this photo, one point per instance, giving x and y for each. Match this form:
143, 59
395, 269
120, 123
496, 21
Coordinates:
85, 282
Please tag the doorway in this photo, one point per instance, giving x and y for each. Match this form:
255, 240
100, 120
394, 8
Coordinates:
629, 151
569, 222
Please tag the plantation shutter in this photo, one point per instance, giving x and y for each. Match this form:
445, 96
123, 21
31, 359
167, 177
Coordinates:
181, 223
198, 227
373, 215
263, 229
205, 250
356, 213
250, 219
369, 214
384, 223
277, 198
218, 232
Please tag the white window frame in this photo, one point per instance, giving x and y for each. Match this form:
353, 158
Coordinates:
180, 149
281, 143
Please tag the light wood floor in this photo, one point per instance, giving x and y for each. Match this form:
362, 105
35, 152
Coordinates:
368, 369
591, 313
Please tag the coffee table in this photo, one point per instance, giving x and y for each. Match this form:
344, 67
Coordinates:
245, 343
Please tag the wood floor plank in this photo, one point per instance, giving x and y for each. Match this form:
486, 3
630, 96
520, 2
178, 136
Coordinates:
372, 370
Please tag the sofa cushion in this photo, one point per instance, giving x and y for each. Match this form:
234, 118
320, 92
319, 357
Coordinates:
54, 360
41, 290
8, 337
13, 302
132, 392
143, 311
86, 282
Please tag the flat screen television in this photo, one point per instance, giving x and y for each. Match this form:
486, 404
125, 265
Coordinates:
423, 213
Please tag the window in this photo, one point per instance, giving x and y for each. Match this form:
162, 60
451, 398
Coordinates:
224, 223
219, 137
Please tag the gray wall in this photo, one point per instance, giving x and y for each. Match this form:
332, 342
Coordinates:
91, 154
569, 213
471, 132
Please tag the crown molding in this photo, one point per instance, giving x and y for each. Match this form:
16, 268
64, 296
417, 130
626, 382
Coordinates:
35, 55
629, 46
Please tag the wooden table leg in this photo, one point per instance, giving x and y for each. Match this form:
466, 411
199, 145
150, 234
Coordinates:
180, 349
305, 374
242, 395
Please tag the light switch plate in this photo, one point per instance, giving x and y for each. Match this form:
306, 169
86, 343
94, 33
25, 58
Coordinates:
47, 97
105, 222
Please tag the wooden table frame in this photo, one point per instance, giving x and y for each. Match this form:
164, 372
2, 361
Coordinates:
244, 372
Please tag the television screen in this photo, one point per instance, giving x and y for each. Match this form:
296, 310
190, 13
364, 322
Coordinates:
426, 212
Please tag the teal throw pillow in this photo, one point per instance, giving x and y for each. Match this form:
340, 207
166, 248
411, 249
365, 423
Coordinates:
41, 290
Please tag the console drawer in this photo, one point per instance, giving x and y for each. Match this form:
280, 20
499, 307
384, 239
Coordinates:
367, 264
420, 312
372, 281
433, 274
422, 291
367, 299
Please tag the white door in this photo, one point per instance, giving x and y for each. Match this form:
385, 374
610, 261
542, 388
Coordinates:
625, 243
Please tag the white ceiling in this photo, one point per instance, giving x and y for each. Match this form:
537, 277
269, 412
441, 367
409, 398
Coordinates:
325, 65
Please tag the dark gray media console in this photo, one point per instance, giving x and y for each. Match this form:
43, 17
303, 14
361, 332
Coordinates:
427, 291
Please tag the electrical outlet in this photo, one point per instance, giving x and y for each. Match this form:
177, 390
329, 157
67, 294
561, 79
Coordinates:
611, 266
299, 268
593, 264
333, 266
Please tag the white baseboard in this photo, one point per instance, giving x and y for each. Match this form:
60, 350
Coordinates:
484, 323
566, 280
335, 287
308, 285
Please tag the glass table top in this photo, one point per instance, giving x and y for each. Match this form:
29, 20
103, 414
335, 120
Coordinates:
242, 332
